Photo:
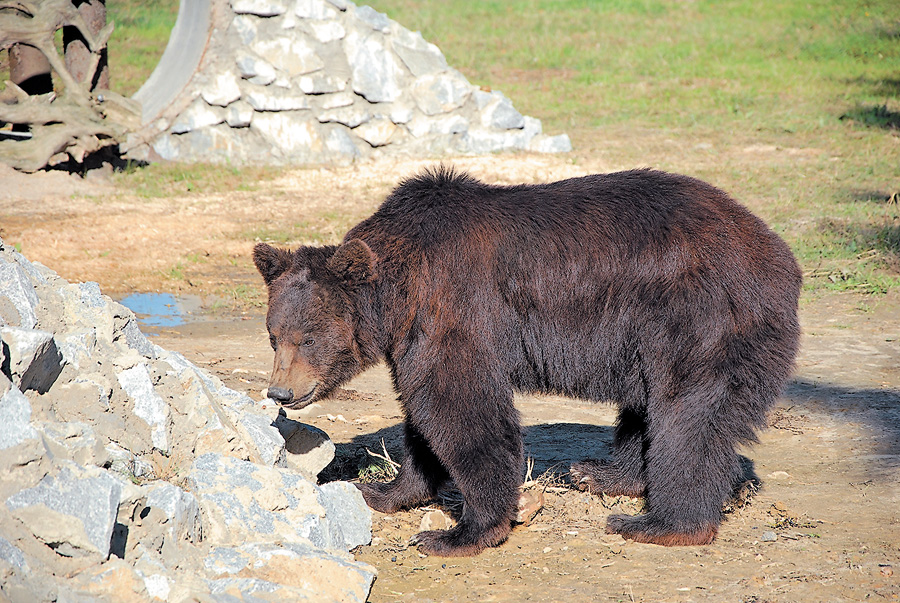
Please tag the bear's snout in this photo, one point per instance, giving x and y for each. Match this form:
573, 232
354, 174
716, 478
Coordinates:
281, 395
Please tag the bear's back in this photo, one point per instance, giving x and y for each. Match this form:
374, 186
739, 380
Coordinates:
639, 219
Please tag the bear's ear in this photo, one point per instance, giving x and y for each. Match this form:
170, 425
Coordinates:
271, 262
353, 262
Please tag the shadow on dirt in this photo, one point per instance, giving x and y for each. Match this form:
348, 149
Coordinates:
878, 409
552, 447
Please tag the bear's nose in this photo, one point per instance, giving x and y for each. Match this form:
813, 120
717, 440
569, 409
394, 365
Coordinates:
281, 395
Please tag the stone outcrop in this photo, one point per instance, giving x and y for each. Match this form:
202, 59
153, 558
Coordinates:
323, 81
128, 474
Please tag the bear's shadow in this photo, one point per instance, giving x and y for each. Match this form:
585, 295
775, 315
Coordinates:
552, 448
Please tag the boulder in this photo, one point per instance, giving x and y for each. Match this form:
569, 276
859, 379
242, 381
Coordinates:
243, 501
72, 512
286, 570
31, 358
308, 449
317, 56
18, 301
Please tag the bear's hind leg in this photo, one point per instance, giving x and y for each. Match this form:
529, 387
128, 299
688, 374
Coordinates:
691, 464
418, 480
624, 474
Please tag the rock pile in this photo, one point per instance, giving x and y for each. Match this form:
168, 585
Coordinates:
324, 81
128, 474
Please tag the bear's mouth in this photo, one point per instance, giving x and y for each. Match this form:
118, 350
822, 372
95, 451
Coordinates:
303, 401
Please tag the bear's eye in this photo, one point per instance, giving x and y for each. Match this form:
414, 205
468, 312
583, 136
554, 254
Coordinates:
308, 342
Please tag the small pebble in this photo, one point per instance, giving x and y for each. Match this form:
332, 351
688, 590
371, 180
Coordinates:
769, 536
779, 475
530, 503
887, 570
435, 520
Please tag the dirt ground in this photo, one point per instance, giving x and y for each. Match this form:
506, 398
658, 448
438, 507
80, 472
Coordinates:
824, 525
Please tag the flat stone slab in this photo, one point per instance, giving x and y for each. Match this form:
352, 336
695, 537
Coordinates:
72, 512
243, 501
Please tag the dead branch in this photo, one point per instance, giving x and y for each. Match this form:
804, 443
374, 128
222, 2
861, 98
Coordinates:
75, 121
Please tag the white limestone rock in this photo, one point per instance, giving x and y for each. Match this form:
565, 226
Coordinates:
351, 116
321, 83
294, 55
255, 69
435, 94
18, 301
148, 405
420, 57
222, 90
314, 9
376, 73
198, 115
260, 8
246, 502
378, 132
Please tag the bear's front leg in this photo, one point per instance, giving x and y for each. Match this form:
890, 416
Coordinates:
473, 429
418, 480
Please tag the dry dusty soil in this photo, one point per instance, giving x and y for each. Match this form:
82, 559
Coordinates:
824, 524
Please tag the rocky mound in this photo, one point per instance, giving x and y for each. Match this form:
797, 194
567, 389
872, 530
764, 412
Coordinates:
315, 81
128, 474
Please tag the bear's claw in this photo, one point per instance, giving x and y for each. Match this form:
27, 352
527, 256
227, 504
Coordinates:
642, 528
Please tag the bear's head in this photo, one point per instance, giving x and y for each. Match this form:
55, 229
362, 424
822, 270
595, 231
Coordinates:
312, 318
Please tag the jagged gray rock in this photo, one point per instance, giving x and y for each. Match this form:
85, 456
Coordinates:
15, 416
10, 554
84, 458
242, 502
340, 578
32, 358
19, 301
74, 441
73, 512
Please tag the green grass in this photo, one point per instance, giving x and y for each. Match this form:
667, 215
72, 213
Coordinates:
138, 41
757, 64
247, 295
320, 228
170, 179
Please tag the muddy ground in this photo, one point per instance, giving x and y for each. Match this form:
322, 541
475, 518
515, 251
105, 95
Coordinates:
824, 525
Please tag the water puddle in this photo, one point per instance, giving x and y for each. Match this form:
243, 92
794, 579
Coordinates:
162, 309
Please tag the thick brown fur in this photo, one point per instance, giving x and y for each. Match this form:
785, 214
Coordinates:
653, 290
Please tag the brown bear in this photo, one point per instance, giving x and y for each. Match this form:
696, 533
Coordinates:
655, 291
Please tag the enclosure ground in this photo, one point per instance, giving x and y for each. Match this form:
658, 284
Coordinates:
824, 526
